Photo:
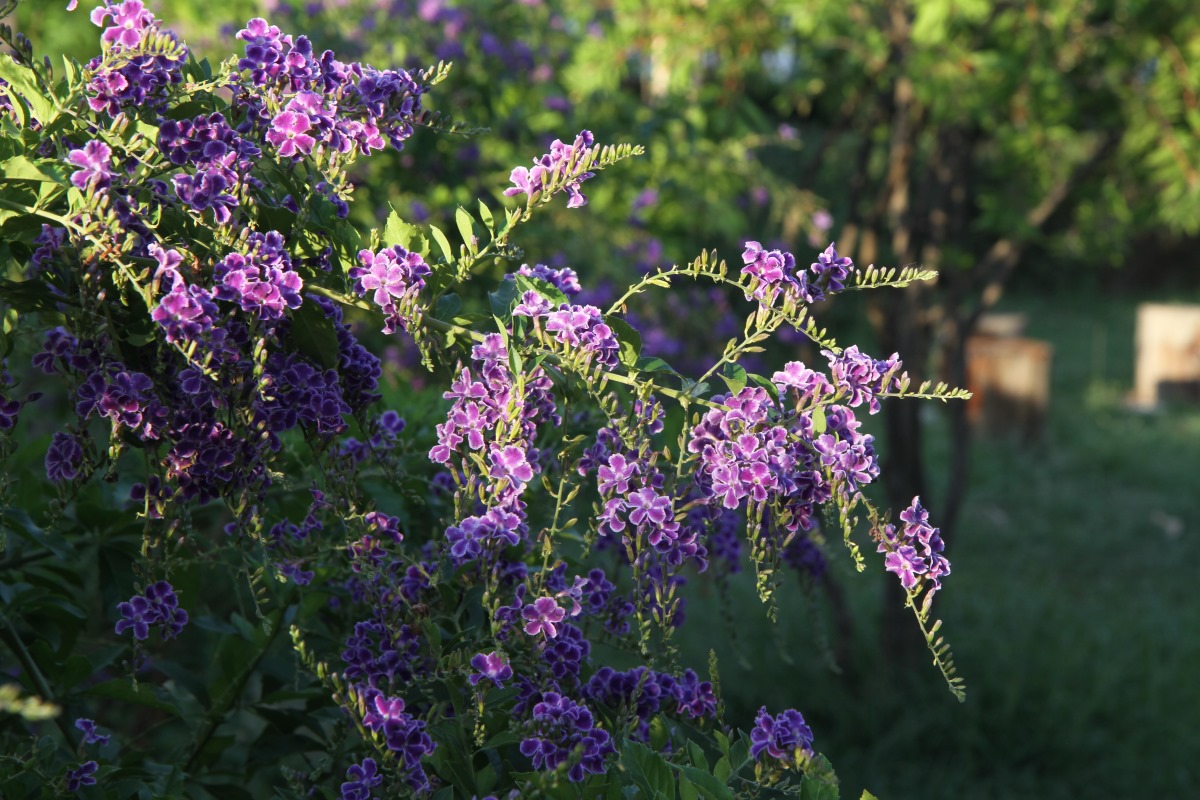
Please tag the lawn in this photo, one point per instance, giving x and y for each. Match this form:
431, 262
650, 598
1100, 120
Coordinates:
1072, 608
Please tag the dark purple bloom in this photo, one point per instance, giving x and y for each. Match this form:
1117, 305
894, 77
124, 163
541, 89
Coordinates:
490, 666
360, 780
90, 733
64, 458
159, 606
260, 279
565, 733
81, 776
785, 736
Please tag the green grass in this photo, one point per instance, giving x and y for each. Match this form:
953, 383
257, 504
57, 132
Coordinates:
1073, 609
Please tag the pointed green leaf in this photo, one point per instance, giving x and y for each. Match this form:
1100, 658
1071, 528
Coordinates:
628, 338
485, 214
22, 84
502, 300
20, 168
818, 418
442, 242
649, 771
448, 306
734, 376
409, 236
466, 229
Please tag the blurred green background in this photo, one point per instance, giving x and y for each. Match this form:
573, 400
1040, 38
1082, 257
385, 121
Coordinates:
1044, 157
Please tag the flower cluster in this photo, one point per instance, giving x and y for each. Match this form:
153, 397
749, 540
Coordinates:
325, 103
785, 736
914, 553
404, 735
360, 780
647, 693
393, 274
750, 452
564, 733
158, 606
775, 272
259, 277
564, 168
140, 62
220, 157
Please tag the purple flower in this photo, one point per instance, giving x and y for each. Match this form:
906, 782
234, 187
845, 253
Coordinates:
64, 458
82, 776
616, 474
565, 732
159, 606
404, 734
289, 134
391, 274
260, 279
510, 462
129, 20
564, 165
914, 553
491, 666
785, 736
832, 269
90, 733
541, 616
360, 779
95, 166
774, 269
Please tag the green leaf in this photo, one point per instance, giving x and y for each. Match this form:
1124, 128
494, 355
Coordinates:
814, 789
23, 85
29, 295
546, 289
466, 229
502, 300
648, 770
710, 786
405, 234
315, 335
867, 796
629, 339
734, 376
485, 214
442, 242
818, 418
764, 383
448, 306
653, 364
20, 168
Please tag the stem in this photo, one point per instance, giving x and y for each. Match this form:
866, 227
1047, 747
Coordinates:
66, 223
25, 658
217, 714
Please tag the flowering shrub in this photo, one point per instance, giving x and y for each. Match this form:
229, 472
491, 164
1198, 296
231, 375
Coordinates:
460, 580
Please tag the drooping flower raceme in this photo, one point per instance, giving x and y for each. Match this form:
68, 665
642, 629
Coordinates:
563, 169
914, 553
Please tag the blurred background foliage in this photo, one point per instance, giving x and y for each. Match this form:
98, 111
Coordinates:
1051, 149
